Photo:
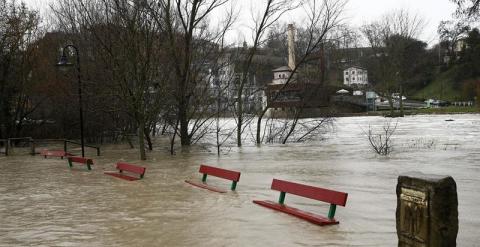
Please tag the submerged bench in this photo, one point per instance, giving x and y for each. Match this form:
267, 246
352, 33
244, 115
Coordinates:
80, 160
330, 196
217, 172
134, 169
54, 153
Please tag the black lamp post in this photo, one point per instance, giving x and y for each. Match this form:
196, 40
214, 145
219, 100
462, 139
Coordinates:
64, 63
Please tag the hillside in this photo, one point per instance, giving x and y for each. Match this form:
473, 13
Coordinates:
442, 87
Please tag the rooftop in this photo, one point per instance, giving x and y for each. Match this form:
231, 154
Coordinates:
283, 68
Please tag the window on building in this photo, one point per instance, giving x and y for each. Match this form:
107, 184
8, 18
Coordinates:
353, 72
353, 79
346, 72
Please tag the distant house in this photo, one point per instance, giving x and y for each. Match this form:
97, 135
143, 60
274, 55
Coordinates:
281, 75
297, 93
460, 45
355, 76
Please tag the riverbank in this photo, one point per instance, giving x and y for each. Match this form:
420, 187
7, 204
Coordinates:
424, 111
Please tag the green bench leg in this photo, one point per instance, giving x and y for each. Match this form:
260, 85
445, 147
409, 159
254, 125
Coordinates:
89, 167
331, 211
234, 185
70, 163
204, 178
281, 199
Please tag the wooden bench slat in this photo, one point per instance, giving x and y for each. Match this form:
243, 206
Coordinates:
80, 160
55, 153
122, 166
316, 193
205, 186
122, 176
219, 172
311, 217
330, 196
233, 176
131, 168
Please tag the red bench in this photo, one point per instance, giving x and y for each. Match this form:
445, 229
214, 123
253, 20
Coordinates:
333, 197
217, 172
80, 160
121, 167
55, 153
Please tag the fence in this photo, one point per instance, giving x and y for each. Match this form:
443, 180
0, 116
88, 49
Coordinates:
463, 103
10, 143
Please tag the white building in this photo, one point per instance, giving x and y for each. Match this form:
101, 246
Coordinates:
280, 75
460, 45
355, 76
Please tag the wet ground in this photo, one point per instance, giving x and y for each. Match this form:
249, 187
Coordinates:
44, 203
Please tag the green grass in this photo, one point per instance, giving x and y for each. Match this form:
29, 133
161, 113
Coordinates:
449, 109
441, 88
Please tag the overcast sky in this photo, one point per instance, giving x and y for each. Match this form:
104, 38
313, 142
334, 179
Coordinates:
358, 12
433, 11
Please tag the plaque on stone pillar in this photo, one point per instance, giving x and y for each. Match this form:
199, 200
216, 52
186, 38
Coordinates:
427, 213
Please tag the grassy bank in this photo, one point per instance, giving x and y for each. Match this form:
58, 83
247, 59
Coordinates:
441, 88
441, 110
448, 110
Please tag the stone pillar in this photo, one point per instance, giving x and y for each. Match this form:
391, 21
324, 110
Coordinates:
427, 210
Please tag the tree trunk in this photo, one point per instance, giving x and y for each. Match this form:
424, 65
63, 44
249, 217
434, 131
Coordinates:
401, 101
172, 142
182, 114
259, 125
149, 139
141, 139
218, 121
154, 128
129, 141
240, 118
294, 124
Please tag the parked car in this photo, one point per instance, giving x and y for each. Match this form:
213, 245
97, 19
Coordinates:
397, 96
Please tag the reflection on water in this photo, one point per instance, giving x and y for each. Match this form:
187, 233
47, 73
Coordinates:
44, 203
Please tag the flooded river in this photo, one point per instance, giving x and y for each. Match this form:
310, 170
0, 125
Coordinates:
44, 203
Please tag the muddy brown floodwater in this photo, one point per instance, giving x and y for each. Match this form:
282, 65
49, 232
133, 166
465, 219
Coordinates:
44, 203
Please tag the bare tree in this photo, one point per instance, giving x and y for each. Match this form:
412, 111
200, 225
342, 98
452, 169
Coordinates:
122, 35
467, 8
270, 13
279, 130
191, 46
452, 31
19, 30
323, 16
390, 38
381, 141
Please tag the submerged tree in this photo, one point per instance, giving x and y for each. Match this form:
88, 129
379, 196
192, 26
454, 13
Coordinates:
265, 19
322, 17
122, 36
19, 29
192, 47
381, 140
